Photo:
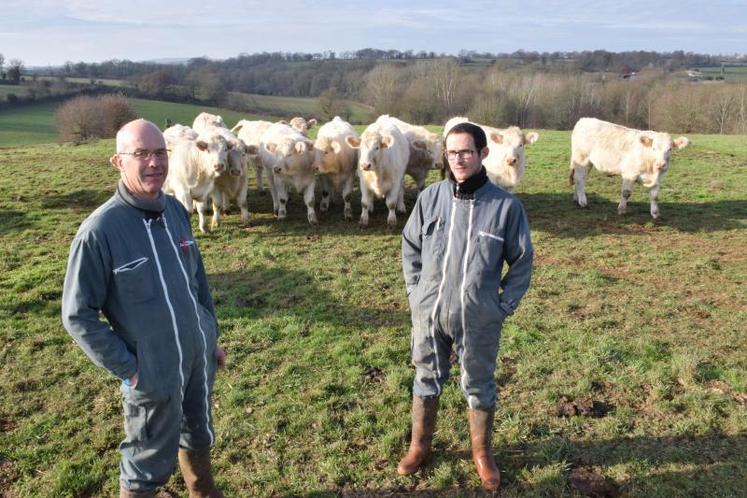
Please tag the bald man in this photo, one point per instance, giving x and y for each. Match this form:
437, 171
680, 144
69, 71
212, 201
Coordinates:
135, 261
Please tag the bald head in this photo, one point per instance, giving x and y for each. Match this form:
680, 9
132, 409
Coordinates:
141, 158
136, 130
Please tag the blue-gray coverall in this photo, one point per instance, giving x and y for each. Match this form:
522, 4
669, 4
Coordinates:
453, 251
143, 270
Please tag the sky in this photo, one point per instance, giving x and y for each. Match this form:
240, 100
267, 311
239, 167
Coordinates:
52, 32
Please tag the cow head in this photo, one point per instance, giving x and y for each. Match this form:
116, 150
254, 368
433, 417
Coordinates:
657, 149
371, 147
508, 146
214, 150
326, 151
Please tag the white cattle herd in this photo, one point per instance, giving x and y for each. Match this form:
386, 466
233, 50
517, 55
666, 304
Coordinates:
209, 161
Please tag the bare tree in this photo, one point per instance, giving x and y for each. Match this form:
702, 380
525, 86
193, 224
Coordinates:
15, 68
722, 107
382, 88
445, 76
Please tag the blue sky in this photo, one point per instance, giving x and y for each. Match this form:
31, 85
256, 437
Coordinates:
44, 32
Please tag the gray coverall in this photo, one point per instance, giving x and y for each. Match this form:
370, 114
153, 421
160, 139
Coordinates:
145, 273
452, 255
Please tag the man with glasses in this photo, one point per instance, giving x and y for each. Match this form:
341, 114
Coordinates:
454, 245
135, 261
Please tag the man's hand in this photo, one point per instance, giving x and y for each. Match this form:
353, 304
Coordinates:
133, 380
220, 356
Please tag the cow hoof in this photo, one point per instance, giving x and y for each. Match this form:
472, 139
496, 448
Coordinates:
621, 211
348, 217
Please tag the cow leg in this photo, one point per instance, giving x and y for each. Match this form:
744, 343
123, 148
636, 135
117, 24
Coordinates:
654, 193
217, 199
347, 194
308, 199
393, 198
401, 208
579, 178
241, 201
366, 204
326, 194
419, 180
274, 194
627, 190
282, 196
260, 181
201, 212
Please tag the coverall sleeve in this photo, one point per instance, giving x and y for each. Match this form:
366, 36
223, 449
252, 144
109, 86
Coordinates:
519, 254
87, 281
412, 262
203, 291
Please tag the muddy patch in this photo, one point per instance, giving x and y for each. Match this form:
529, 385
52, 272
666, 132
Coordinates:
584, 407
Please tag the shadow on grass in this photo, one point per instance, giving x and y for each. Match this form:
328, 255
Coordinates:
12, 221
261, 292
559, 215
80, 200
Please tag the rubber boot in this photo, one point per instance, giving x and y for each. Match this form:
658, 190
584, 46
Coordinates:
129, 493
198, 476
423, 424
481, 432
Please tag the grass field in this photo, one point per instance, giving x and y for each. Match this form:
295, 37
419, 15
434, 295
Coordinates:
36, 124
358, 113
731, 73
18, 90
643, 321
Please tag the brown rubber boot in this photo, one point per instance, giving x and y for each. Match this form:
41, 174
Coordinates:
423, 424
129, 493
198, 476
481, 432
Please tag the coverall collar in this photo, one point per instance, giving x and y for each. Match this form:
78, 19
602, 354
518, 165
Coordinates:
467, 188
151, 208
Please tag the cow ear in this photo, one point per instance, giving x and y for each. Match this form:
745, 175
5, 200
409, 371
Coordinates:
354, 142
531, 137
311, 122
387, 140
419, 144
646, 141
681, 142
202, 145
252, 149
271, 147
336, 146
496, 137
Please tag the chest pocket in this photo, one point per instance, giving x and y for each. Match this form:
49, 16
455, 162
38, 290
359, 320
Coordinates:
134, 280
433, 237
489, 249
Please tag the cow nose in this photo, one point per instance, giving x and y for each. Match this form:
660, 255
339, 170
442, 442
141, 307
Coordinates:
277, 169
366, 166
511, 161
662, 166
219, 167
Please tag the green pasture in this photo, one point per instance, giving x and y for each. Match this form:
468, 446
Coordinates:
18, 90
641, 321
35, 124
731, 73
301, 106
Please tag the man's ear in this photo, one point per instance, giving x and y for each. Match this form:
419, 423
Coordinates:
115, 161
484, 152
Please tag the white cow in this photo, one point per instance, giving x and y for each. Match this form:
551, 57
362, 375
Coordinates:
250, 132
616, 150
206, 120
382, 159
289, 157
193, 167
335, 161
177, 132
426, 150
303, 125
506, 161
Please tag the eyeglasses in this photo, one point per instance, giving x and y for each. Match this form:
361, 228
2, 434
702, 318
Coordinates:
143, 154
461, 154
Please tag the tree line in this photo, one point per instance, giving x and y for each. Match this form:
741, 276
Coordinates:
529, 89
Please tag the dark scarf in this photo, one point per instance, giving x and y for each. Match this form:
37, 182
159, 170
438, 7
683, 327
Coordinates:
151, 208
467, 188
